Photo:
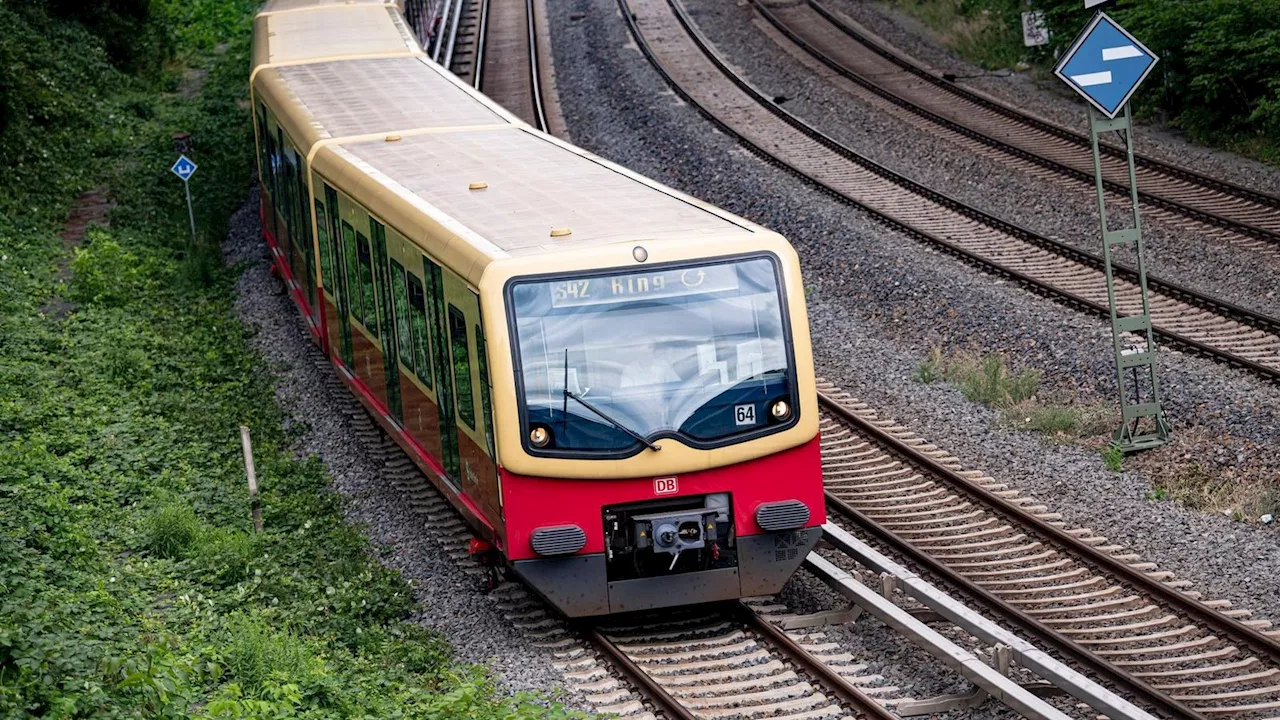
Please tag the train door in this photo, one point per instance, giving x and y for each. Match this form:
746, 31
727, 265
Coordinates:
339, 285
389, 328
468, 364
441, 357
308, 243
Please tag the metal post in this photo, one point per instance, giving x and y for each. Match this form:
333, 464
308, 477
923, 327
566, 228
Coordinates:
1130, 436
191, 214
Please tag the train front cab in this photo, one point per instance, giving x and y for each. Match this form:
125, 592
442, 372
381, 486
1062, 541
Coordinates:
658, 435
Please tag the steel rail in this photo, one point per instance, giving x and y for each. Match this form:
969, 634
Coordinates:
477, 72
985, 677
447, 60
1228, 310
1224, 186
845, 691
652, 691
1257, 642
1115, 187
535, 76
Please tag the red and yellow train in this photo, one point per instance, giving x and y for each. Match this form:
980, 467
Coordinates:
610, 380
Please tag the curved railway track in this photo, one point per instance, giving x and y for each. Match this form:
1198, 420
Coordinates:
1069, 590
1184, 198
692, 68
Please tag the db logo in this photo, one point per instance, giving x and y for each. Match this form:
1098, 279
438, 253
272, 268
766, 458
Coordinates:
665, 486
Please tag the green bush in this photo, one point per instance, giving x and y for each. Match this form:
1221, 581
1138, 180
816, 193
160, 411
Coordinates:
257, 657
170, 531
987, 380
103, 272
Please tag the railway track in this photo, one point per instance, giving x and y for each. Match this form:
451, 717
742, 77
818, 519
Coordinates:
692, 68
718, 662
1070, 590
496, 50
1208, 206
735, 663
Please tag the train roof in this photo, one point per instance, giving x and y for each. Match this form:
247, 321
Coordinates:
312, 31
436, 159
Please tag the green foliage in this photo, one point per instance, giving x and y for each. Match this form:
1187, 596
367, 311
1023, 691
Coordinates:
170, 531
982, 379
1112, 457
987, 32
987, 379
931, 370
1065, 421
261, 659
131, 582
104, 273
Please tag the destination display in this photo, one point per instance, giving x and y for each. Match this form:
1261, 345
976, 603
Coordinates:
643, 286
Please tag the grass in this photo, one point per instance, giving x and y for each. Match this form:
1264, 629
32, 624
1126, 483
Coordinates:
1112, 457
1243, 492
987, 32
132, 583
171, 531
989, 380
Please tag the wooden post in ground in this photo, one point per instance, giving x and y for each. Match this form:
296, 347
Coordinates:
249, 470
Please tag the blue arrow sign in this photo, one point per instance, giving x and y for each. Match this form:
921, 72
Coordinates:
1106, 65
183, 168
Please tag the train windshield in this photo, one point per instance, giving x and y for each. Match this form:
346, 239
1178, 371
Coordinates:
610, 363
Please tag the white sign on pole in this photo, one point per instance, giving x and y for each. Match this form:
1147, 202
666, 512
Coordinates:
1034, 32
1092, 3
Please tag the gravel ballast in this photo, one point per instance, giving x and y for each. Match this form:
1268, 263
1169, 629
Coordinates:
879, 302
1057, 208
1046, 96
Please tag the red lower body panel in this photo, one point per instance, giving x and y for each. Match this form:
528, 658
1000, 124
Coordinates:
530, 503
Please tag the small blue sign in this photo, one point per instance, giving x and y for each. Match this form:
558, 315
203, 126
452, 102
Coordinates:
1106, 65
183, 168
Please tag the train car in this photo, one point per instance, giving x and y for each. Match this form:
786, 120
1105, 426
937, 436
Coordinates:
610, 380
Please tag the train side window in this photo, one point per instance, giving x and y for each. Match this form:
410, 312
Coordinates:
400, 306
365, 256
462, 367
482, 358
418, 326
326, 252
353, 283
264, 147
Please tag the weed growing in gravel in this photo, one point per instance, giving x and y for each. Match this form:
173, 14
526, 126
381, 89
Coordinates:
988, 380
1059, 421
1112, 457
1242, 496
982, 379
988, 32
931, 370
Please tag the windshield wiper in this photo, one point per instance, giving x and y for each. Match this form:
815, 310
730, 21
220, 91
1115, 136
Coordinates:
597, 410
611, 421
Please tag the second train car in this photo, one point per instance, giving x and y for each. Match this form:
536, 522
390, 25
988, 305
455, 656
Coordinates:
609, 379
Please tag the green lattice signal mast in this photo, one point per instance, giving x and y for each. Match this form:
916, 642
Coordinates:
1142, 425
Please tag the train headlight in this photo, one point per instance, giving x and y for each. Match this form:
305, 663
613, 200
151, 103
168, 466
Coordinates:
780, 410
540, 437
